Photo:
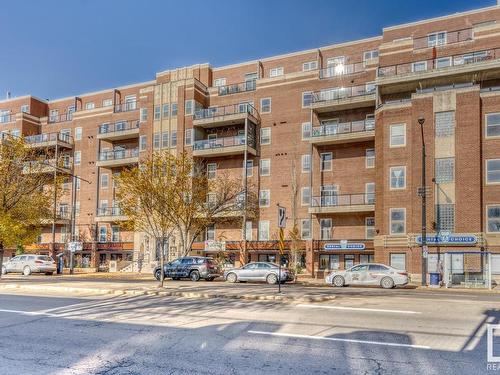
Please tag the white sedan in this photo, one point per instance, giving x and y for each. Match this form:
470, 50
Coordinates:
369, 274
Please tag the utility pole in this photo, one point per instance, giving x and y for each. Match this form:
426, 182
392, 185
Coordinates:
423, 193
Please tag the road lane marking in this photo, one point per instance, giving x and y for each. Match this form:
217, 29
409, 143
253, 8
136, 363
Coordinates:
297, 336
24, 312
358, 309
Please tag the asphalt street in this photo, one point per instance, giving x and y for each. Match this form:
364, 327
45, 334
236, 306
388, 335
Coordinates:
355, 334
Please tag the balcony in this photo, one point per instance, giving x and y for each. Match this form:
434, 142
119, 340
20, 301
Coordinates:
126, 106
347, 132
110, 214
237, 87
440, 71
118, 158
55, 118
342, 203
119, 130
340, 70
233, 114
63, 216
48, 166
343, 98
224, 146
49, 140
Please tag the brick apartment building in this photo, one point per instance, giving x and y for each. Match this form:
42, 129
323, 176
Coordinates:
332, 134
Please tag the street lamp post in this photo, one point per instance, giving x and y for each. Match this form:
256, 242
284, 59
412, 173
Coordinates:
423, 193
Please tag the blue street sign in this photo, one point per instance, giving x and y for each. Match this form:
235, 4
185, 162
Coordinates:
449, 239
344, 246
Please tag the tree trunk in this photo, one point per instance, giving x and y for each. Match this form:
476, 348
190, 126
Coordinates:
1, 258
162, 262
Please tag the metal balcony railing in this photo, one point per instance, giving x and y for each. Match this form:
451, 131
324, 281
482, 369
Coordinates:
237, 87
110, 211
60, 117
208, 144
49, 137
225, 110
340, 93
119, 154
439, 39
40, 165
119, 126
127, 106
340, 200
7, 117
342, 69
439, 63
325, 130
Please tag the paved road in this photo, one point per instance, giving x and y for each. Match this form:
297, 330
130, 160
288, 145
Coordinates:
375, 334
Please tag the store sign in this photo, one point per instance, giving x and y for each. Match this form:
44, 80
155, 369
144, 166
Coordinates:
75, 246
344, 245
212, 245
448, 239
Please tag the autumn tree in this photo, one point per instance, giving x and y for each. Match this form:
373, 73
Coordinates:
26, 193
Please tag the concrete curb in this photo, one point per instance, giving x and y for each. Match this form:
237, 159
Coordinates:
167, 293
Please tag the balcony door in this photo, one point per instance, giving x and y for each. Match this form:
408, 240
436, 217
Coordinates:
370, 193
329, 195
330, 127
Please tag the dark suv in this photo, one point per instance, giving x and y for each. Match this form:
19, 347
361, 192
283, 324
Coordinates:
194, 268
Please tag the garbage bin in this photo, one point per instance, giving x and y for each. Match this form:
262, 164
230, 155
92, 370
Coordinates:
434, 279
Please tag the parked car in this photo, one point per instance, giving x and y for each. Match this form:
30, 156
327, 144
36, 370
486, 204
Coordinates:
368, 274
30, 263
257, 271
194, 268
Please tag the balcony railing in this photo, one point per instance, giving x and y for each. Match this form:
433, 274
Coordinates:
342, 69
119, 154
109, 211
226, 110
49, 137
119, 126
208, 144
63, 214
341, 200
5, 118
340, 93
439, 39
439, 63
46, 165
126, 106
60, 117
237, 87
343, 128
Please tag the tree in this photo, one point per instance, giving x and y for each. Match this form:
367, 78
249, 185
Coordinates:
26, 193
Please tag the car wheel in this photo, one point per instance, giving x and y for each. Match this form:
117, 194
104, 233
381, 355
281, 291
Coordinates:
338, 281
272, 279
194, 276
158, 275
210, 279
26, 271
4, 270
232, 278
387, 283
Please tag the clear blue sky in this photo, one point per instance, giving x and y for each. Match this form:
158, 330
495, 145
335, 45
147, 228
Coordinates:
54, 48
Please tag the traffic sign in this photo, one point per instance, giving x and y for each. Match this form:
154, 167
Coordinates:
281, 217
281, 242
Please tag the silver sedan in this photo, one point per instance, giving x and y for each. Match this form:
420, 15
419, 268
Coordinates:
368, 274
257, 271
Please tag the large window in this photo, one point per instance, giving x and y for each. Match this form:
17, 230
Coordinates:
493, 171
370, 158
276, 72
398, 221
264, 230
211, 171
219, 82
329, 262
264, 198
493, 218
326, 161
265, 136
445, 123
306, 163
419, 66
188, 137
310, 65
265, 105
305, 229
445, 170
445, 217
307, 99
306, 130
325, 229
398, 261
249, 168
398, 177
305, 196
265, 167
369, 228
368, 55
493, 125
397, 135
436, 39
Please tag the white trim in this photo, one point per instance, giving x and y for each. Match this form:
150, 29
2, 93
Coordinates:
390, 177
486, 136
369, 158
321, 161
270, 105
268, 197
269, 136
486, 172
486, 216
390, 135
390, 220
302, 196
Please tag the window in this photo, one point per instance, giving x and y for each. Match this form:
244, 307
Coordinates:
398, 220
445, 217
369, 228
249, 168
493, 125
306, 163
307, 99
103, 235
310, 65
493, 218
445, 170
219, 82
419, 66
78, 133
275, 72
104, 181
398, 261
326, 229
89, 105
264, 230
436, 39
367, 258
305, 229
370, 158
398, 178
326, 161
493, 171
156, 140
188, 107
174, 109
210, 233
64, 237
265, 105
397, 135
248, 230
143, 114
25, 108
305, 196
264, 198
443, 62
445, 123
370, 193
77, 183
53, 115
164, 139
107, 102
188, 137
143, 142
77, 208
265, 167
115, 233
329, 261
157, 112
265, 136
211, 171
174, 139
78, 157
368, 55
166, 110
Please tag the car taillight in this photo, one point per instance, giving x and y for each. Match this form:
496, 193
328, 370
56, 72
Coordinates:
403, 273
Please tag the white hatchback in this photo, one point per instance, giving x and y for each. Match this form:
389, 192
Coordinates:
369, 274
30, 263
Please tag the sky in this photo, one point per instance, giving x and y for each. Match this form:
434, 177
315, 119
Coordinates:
55, 48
